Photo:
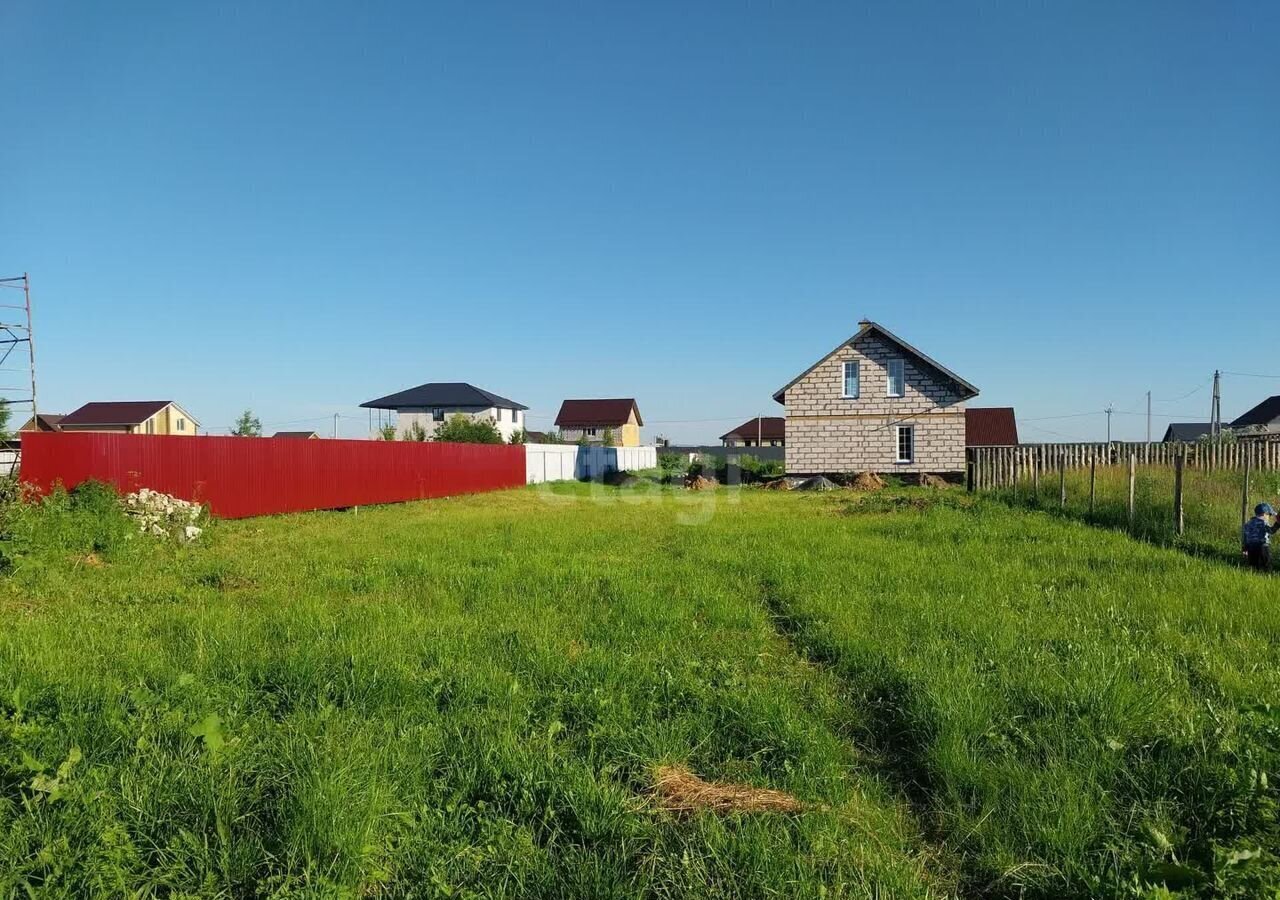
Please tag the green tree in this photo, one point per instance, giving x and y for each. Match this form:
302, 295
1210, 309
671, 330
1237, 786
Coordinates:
607, 437
519, 436
5, 414
462, 430
247, 425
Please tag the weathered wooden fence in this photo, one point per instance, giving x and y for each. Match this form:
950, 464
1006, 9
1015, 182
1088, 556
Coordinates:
1003, 466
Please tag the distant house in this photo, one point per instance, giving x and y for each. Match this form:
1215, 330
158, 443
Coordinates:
592, 418
431, 405
877, 404
297, 435
43, 422
131, 417
1265, 417
1186, 431
990, 426
537, 437
762, 431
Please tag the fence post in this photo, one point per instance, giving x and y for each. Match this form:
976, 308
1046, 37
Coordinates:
1244, 493
1177, 494
969, 473
1035, 477
1093, 481
1015, 474
1062, 482
1133, 477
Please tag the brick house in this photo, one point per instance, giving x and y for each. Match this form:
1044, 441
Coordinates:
875, 404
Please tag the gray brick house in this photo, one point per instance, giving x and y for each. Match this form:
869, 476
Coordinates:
875, 404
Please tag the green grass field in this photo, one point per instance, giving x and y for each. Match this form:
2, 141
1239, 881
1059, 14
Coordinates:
469, 698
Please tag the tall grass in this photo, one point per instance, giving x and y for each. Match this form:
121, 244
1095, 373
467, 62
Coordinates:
469, 697
1212, 503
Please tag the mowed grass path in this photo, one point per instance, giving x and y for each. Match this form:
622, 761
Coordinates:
469, 697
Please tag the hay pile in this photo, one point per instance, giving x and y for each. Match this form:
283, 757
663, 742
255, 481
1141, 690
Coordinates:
679, 790
777, 484
867, 481
933, 481
700, 482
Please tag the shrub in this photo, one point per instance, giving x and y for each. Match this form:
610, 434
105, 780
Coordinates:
88, 519
415, 432
519, 436
462, 430
672, 466
387, 432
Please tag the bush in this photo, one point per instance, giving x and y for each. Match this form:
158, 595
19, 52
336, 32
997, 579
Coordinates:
462, 430
672, 466
755, 469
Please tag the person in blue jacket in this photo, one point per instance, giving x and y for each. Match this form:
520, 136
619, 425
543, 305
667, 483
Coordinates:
1255, 538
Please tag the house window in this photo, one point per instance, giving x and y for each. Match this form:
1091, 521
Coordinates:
151, 426
851, 379
499, 412
906, 444
897, 378
437, 414
591, 432
182, 425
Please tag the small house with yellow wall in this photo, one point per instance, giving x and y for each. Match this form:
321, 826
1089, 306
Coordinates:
617, 420
131, 417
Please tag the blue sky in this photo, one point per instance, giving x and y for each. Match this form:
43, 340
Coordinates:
297, 206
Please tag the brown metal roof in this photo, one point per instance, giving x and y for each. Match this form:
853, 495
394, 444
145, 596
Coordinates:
992, 426
596, 413
48, 422
302, 435
769, 428
126, 412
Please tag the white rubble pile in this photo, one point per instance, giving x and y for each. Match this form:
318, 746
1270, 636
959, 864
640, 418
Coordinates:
162, 515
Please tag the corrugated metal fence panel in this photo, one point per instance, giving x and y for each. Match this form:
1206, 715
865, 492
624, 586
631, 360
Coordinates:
240, 477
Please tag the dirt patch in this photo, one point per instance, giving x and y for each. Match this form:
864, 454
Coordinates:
867, 481
934, 481
92, 560
700, 483
777, 484
679, 790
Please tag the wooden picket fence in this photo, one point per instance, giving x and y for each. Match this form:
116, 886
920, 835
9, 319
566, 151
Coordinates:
990, 467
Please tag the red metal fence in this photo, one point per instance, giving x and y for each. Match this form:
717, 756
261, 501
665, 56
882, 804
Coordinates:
240, 477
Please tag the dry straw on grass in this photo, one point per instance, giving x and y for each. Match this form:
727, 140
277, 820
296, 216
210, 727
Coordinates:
867, 481
679, 790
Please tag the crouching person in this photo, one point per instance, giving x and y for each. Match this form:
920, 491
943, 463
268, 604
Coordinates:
1255, 538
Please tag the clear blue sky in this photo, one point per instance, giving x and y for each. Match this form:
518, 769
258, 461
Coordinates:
298, 206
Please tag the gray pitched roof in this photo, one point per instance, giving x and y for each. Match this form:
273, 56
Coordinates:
442, 393
865, 327
1186, 431
1264, 413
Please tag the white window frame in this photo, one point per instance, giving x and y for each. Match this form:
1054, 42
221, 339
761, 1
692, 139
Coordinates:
181, 424
857, 380
589, 432
901, 364
898, 432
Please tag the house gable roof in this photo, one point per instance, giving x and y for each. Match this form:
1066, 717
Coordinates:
991, 426
967, 390
613, 412
769, 428
46, 420
123, 412
299, 435
1186, 431
1264, 413
442, 393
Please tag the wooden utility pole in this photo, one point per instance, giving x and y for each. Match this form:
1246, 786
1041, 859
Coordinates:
1215, 411
1062, 482
1177, 493
1133, 477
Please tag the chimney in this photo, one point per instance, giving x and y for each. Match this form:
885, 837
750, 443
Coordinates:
863, 323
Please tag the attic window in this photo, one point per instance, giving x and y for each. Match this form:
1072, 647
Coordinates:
897, 378
851, 380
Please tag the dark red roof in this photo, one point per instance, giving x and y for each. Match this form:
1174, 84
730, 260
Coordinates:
766, 428
298, 435
611, 413
127, 412
992, 426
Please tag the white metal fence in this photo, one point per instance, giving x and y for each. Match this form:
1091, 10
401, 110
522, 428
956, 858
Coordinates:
566, 462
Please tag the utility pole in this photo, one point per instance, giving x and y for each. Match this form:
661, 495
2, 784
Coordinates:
335, 424
1148, 417
1109, 410
759, 431
1215, 414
